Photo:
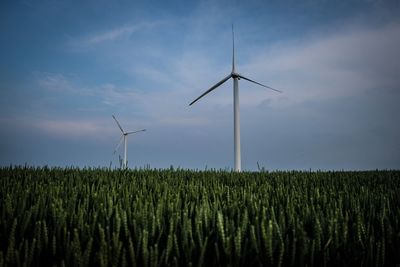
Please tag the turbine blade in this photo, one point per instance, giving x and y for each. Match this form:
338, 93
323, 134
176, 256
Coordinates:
242, 77
119, 125
212, 88
119, 143
233, 51
136, 131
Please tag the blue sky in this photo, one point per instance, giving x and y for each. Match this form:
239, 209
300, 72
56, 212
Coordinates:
67, 66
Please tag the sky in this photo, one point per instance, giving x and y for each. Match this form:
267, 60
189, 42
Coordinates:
67, 66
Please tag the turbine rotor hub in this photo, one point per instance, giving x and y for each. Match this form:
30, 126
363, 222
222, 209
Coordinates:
235, 75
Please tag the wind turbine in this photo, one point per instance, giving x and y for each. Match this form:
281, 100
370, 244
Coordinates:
236, 116
124, 136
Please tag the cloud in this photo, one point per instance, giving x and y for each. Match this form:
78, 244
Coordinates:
112, 96
95, 128
338, 63
53, 81
151, 73
153, 106
70, 85
61, 84
341, 63
330, 64
73, 128
121, 32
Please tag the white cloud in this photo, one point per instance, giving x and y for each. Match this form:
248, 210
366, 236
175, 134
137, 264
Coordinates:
152, 74
168, 107
343, 63
108, 93
97, 128
53, 81
112, 96
340, 63
58, 83
124, 31
328, 65
72, 128
164, 107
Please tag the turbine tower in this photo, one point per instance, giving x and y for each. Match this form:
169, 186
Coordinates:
236, 114
124, 136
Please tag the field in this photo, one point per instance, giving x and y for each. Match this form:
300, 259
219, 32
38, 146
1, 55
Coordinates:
101, 217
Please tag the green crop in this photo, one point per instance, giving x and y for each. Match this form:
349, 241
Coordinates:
102, 217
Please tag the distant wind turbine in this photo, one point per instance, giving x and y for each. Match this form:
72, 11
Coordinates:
124, 136
236, 116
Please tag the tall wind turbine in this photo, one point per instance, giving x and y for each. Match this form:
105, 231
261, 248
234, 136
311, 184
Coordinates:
124, 137
236, 116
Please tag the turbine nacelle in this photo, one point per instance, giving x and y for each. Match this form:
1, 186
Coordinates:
128, 133
235, 75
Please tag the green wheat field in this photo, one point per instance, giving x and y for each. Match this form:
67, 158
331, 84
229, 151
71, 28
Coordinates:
175, 217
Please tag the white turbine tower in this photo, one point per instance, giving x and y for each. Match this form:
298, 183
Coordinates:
124, 136
236, 116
